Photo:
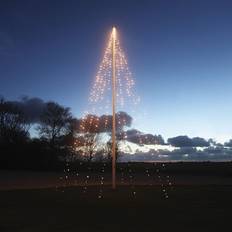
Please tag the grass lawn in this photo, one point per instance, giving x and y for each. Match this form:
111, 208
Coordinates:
138, 208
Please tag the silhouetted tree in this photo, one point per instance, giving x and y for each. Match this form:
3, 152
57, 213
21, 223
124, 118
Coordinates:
54, 122
88, 144
69, 140
108, 150
13, 125
228, 144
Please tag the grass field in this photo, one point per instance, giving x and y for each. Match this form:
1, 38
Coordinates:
198, 208
192, 207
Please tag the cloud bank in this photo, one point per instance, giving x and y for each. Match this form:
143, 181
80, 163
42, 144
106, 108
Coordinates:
32, 108
139, 137
182, 154
185, 141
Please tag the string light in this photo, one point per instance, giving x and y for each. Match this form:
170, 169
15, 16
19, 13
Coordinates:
100, 95
99, 104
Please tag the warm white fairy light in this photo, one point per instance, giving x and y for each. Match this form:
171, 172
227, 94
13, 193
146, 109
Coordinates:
100, 101
101, 90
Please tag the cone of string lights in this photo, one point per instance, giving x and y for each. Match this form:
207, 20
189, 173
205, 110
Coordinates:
113, 88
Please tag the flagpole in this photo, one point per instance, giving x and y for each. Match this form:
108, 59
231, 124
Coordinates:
113, 110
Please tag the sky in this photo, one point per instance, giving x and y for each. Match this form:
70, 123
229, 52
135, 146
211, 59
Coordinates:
180, 54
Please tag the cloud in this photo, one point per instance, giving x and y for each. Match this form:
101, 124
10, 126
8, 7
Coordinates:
96, 124
185, 141
32, 108
138, 137
182, 154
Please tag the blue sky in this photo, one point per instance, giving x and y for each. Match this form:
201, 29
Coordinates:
180, 54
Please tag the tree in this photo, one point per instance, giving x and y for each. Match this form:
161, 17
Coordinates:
91, 142
228, 144
90, 130
13, 125
108, 150
54, 122
87, 144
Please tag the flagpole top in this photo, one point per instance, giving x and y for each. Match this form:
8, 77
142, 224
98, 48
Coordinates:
114, 32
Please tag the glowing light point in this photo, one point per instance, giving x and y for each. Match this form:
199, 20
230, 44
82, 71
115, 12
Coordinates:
114, 33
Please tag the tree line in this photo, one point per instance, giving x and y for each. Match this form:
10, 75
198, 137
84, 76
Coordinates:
59, 139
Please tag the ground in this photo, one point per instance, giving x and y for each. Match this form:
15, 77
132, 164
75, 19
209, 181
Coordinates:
86, 207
